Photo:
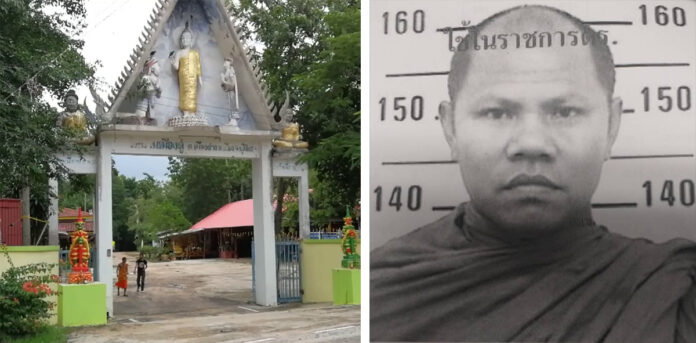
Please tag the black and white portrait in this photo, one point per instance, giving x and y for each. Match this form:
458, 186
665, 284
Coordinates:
533, 171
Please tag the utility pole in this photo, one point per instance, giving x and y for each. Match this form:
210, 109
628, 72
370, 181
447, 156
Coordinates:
26, 221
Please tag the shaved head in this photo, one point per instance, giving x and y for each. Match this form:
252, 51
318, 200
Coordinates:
526, 110
531, 19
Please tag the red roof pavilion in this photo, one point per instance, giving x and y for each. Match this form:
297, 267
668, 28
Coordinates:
235, 214
68, 216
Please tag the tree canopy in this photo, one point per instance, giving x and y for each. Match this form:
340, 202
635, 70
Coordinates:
38, 57
207, 184
311, 48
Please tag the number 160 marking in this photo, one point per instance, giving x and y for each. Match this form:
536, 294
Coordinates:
401, 22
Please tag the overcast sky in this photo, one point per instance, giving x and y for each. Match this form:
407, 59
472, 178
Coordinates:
113, 27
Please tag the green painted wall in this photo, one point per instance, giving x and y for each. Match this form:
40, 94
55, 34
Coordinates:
82, 304
319, 258
346, 286
23, 255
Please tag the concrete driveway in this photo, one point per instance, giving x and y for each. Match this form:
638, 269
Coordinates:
210, 301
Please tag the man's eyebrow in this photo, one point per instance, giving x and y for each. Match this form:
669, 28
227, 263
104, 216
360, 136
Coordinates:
497, 100
565, 98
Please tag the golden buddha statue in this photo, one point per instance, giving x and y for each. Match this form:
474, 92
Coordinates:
289, 131
187, 62
290, 138
75, 120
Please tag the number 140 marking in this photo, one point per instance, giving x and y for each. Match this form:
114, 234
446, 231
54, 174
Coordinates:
685, 193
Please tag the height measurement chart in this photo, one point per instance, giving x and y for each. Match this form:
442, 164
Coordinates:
648, 186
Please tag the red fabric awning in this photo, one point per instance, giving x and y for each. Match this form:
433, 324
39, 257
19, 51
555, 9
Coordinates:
235, 214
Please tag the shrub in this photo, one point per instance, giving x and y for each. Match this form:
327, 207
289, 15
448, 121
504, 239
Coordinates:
47, 334
23, 297
154, 253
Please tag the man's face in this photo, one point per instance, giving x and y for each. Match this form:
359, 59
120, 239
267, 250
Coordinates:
531, 129
71, 103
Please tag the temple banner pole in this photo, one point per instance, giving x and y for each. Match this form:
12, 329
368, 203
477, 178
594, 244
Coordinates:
53, 213
26, 215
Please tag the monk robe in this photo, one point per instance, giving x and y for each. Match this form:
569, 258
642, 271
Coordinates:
453, 281
122, 274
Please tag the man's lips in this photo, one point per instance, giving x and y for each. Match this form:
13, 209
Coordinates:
530, 180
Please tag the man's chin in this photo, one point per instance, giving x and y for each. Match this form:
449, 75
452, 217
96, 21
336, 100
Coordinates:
526, 227
530, 216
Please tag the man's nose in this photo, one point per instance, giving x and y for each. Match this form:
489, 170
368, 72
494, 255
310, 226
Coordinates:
531, 139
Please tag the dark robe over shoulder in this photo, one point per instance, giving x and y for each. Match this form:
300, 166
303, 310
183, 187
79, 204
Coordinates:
442, 283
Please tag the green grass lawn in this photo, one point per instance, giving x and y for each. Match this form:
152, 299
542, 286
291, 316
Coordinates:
50, 334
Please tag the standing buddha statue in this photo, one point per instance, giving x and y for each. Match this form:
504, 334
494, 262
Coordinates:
188, 64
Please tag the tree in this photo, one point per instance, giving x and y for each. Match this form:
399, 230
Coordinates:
150, 216
38, 57
311, 48
77, 191
207, 184
330, 110
123, 191
165, 216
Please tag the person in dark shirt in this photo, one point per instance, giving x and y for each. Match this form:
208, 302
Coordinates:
523, 260
140, 266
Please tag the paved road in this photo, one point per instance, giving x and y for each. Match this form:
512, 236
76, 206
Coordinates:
305, 323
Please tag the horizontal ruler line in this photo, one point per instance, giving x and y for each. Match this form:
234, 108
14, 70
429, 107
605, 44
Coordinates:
397, 163
634, 65
429, 73
618, 157
609, 22
651, 156
596, 205
625, 65
615, 205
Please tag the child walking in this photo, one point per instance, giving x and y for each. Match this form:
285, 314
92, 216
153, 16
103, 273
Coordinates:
122, 278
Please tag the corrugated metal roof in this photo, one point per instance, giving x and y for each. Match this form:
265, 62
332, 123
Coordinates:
69, 227
235, 214
71, 214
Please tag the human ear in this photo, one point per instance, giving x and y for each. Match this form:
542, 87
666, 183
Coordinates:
446, 111
615, 110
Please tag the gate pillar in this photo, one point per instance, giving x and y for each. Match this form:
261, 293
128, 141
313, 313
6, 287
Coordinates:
103, 220
264, 231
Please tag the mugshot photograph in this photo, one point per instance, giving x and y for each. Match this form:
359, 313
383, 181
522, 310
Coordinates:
558, 223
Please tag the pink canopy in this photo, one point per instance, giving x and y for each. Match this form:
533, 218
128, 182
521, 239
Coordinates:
235, 214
